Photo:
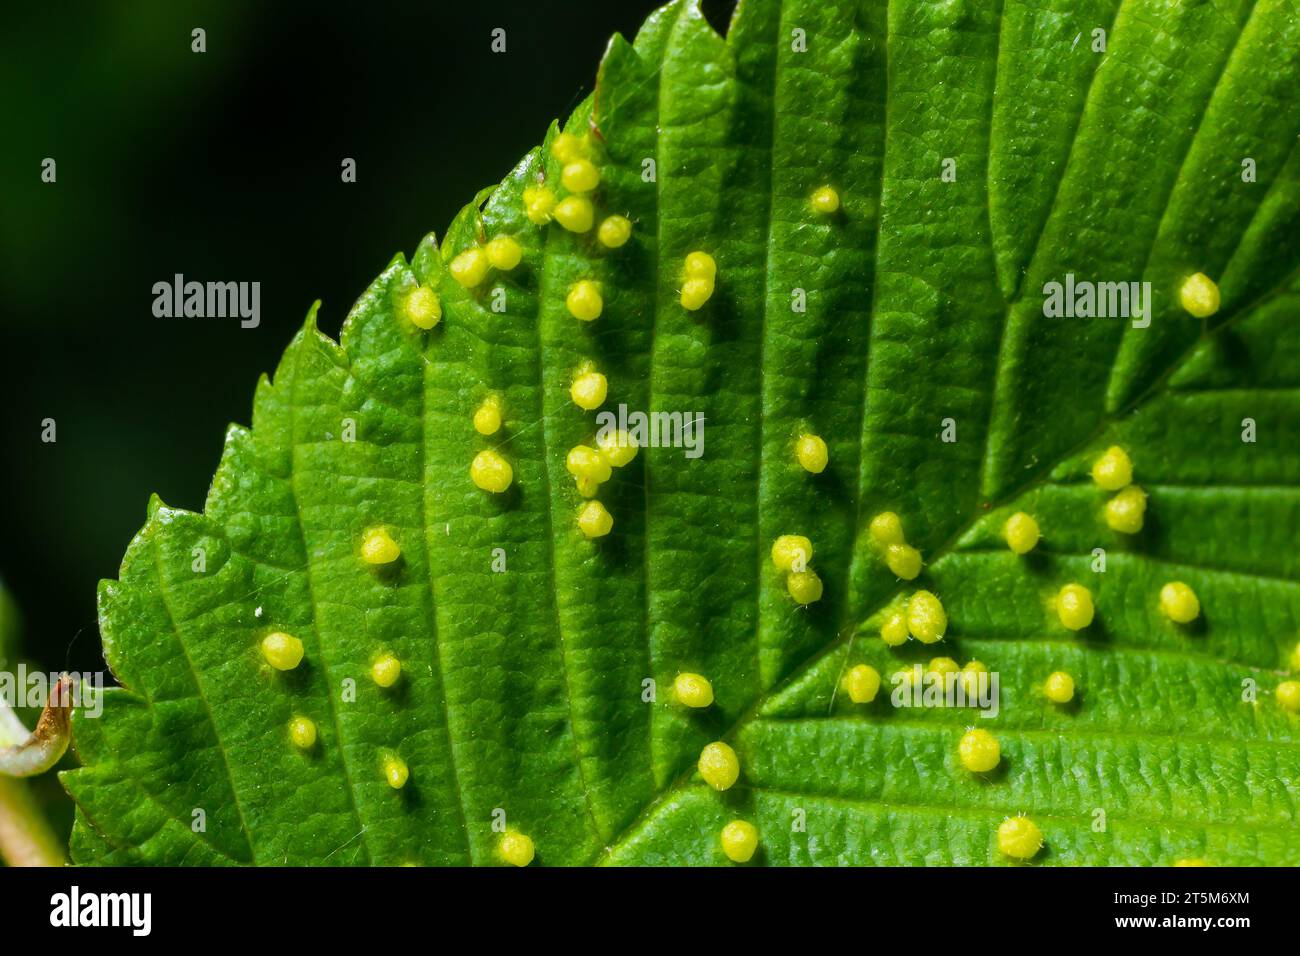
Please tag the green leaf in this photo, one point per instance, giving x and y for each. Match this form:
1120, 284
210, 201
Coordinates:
522, 691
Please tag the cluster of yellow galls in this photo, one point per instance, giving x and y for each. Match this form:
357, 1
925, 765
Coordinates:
284, 652
719, 766
791, 555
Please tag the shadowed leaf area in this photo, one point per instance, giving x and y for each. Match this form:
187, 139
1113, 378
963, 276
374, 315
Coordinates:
979, 151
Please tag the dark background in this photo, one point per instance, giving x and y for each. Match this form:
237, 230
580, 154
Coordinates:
223, 166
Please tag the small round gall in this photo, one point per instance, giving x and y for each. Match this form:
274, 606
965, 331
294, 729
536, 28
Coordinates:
282, 651
504, 253
575, 213
1126, 512
580, 176
1059, 687
893, 630
539, 205
487, 417
926, 619
804, 586
693, 690
1179, 603
516, 848
396, 773
584, 301
378, 547
979, 751
1021, 533
811, 453
1019, 838
1074, 606
904, 560
614, 231
386, 670
422, 307
739, 840
302, 732
826, 200
886, 529
586, 462
862, 683
617, 447
1113, 470
490, 472
719, 765
594, 520
470, 268
1199, 295
791, 552
589, 390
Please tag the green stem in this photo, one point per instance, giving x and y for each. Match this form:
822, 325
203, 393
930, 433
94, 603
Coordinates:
25, 837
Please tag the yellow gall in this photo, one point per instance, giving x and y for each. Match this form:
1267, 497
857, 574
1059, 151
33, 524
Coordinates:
1021, 533
719, 765
886, 529
539, 205
470, 268
926, 619
893, 630
594, 520
693, 690
580, 176
396, 773
1059, 687
378, 547
487, 417
904, 560
568, 147
282, 651
811, 453
422, 307
826, 200
616, 446
979, 751
614, 231
1126, 512
386, 670
586, 462
970, 678
943, 666
302, 732
516, 848
504, 253
739, 840
575, 213
700, 265
1113, 470
1074, 606
804, 586
584, 301
1019, 838
589, 390
862, 683
491, 472
1199, 295
695, 293
791, 552
1288, 696
1179, 603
